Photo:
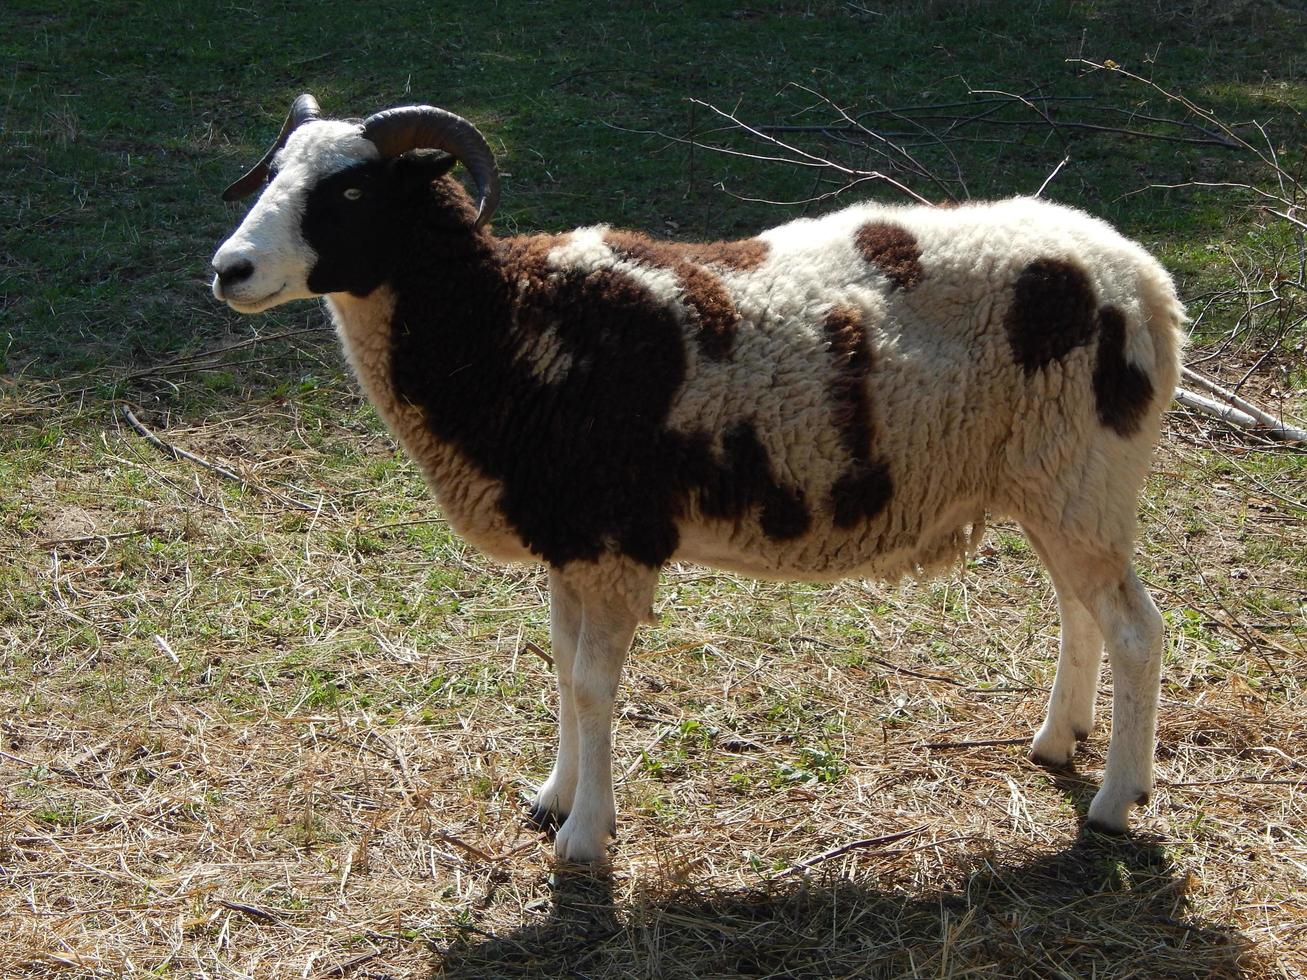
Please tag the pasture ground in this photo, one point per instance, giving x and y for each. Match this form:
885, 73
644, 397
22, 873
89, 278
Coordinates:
239, 738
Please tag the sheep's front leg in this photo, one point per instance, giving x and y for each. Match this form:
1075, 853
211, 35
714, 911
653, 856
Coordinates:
607, 626
553, 801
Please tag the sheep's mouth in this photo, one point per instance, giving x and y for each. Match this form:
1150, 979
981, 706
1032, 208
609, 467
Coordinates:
243, 305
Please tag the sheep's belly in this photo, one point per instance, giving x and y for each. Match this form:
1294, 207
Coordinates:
877, 550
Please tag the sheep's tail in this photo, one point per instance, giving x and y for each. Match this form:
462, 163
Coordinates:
1164, 320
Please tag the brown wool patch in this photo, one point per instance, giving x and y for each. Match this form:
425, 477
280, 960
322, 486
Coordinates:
742, 255
530, 252
1122, 391
851, 354
1052, 313
865, 488
893, 250
703, 291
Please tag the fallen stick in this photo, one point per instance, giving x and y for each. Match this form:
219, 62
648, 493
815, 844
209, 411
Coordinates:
1237, 418
168, 449
1270, 426
254, 912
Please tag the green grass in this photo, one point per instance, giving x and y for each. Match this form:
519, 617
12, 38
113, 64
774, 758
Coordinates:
122, 123
314, 714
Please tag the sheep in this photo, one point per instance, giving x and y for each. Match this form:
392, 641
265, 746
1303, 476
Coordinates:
847, 395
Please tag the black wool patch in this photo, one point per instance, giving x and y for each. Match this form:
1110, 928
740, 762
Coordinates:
1122, 391
587, 464
744, 479
1052, 313
352, 235
862, 492
865, 489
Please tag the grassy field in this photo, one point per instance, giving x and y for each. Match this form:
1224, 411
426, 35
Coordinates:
281, 726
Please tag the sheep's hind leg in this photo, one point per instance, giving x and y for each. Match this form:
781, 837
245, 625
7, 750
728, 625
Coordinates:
1070, 715
1131, 626
553, 801
608, 623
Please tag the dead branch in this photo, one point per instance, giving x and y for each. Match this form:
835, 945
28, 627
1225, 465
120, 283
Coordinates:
1175, 98
975, 743
926, 118
254, 912
1271, 427
1283, 200
1233, 416
802, 156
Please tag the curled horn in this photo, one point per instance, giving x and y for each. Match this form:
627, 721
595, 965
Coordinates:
397, 131
302, 110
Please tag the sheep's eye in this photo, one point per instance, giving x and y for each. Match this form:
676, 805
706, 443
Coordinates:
353, 194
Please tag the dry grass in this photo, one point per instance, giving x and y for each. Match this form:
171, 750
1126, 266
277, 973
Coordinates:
244, 740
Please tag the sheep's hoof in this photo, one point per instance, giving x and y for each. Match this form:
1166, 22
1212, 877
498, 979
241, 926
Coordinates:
1053, 748
1061, 764
579, 846
545, 818
542, 815
1107, 829
1109, 813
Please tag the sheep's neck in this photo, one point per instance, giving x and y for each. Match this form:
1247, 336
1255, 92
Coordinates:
451, 338
433, 349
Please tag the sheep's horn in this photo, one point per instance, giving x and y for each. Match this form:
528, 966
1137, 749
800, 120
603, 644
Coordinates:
302, 110
396, 131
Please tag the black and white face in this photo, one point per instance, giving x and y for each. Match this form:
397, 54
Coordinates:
320, 225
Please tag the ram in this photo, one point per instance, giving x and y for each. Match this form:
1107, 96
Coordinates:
844, 396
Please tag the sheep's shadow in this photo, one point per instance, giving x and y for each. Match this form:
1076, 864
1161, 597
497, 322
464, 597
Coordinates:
1101, 907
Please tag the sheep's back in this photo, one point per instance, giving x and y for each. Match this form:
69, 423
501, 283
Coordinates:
896, 372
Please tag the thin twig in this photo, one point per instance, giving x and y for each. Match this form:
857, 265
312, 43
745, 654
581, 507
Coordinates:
340, 969
176, 452
478, 853
68, 774
811, 159
835, 852
976, 743
168, 449
1049, 179
106, 538
254, 912
171, 365
535, 648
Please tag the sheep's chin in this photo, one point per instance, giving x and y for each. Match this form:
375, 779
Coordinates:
275, 298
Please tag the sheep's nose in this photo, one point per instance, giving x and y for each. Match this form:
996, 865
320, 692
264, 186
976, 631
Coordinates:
234, 272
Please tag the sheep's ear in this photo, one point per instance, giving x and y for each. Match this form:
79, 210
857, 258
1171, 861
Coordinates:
420, 167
